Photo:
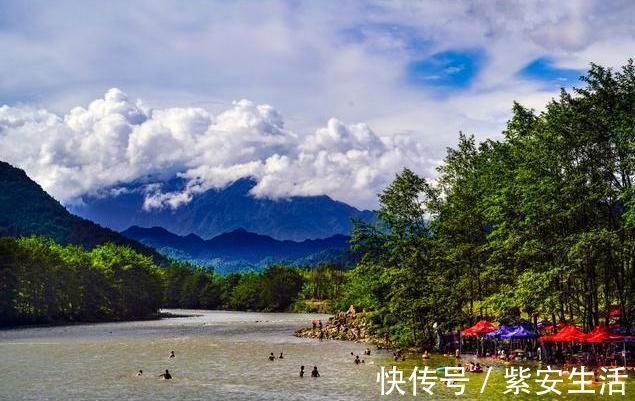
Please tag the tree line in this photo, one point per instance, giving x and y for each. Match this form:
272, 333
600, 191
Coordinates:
43, 282
539, 224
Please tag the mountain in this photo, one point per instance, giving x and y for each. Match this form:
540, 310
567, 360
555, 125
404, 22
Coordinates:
218, 211
26, 209
239, 246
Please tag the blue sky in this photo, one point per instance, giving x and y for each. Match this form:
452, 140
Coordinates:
421, 69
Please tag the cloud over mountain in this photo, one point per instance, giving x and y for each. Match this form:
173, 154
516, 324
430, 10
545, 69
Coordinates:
115, 140
427, 68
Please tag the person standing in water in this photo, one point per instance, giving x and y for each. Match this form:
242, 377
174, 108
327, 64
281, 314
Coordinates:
302, 371
314, 372
357, 360
272, 357
166, 375
281, 356
172, 355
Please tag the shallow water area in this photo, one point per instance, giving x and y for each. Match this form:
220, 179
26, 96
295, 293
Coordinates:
219, 355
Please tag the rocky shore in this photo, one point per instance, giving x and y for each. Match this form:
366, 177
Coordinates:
347, 326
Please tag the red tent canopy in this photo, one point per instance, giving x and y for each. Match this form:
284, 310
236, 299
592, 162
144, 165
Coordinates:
559, 326
480, 328
601, 334
567, 334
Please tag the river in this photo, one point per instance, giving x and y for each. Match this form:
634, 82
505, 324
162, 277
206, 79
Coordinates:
219, 356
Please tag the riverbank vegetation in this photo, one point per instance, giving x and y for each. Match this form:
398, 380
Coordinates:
42, 282
537, 225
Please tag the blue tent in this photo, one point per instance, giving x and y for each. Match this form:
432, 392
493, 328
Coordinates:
520, 332
500, 332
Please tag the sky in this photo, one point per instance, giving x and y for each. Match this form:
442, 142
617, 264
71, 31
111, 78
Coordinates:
306, 97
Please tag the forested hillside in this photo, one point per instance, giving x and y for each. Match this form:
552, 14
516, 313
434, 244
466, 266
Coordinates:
26, 209
537, 225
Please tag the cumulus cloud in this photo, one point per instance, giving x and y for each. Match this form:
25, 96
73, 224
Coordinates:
313, 60
115, 140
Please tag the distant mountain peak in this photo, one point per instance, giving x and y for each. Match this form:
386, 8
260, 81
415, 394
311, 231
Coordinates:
224, 210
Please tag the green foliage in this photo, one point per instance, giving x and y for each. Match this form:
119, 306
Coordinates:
26, 209
190, 286
44, 282
280, 287
538, 224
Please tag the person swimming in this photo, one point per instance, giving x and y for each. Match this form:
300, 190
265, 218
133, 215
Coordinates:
172, 355
166, 375
314, 372
140, 372
281, 356
272, 357
357, 360
302, 371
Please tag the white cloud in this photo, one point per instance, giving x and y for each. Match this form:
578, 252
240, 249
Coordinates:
115, 140
312, 60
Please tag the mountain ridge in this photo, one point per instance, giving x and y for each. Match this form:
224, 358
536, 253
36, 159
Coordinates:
237, 245
26, 209
217, 211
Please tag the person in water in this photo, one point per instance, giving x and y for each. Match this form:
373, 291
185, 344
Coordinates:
302, 371
140, 372
172, 355
367, 351
281, 356
272, 357
166, 375
314, 372
357, 360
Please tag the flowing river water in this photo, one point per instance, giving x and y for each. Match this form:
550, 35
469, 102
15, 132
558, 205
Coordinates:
219, 356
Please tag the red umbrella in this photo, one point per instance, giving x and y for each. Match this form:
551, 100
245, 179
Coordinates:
567, 334
480, 328
601, 334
